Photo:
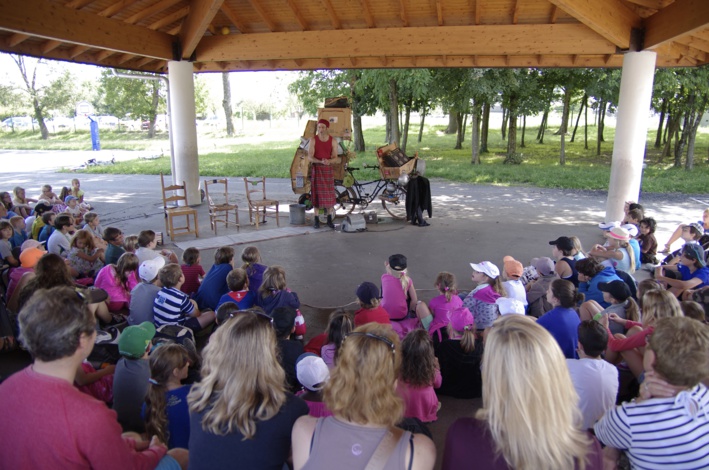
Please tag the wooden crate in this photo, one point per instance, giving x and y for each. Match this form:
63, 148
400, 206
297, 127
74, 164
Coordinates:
393, 172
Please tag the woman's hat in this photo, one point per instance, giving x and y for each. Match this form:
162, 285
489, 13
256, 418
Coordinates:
462, 319
311, 371
487, 268
619, 290
324, 122
397, 262
513, 268
695, 251
366, 292
563, 243
619, 233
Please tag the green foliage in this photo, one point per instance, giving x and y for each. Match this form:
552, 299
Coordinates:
122, 97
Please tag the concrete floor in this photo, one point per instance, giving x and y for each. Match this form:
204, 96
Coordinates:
470, 223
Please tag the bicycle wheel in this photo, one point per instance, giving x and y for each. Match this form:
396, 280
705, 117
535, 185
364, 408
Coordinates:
395, 202
345, 201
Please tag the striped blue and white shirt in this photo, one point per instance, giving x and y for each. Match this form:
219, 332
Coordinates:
661, 433
171, 307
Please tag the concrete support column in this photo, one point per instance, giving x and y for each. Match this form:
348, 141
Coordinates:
183, 128
631, 131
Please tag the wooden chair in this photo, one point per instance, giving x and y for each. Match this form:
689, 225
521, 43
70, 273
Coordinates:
171, 196
219, 205
258, 202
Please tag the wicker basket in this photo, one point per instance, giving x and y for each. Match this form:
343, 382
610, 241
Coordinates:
393, 172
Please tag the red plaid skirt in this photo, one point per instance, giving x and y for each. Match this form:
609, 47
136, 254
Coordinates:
322, 186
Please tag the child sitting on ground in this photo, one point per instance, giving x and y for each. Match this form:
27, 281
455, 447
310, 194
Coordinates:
214, 285
313, 374
46, 231
398, 292
130, 244
72, 208
339, 326
113, 238
78, 193
512, 271
166, 411
37, 222
83, 255
289, 350
59, 242
22, 202
691, 233
239, 292
146, 248
118, 280
174, 307
370, 310
6, 232
274, 293
420, 374
481, 301
647, 240
48, 196
19, 234
251, 258
436, 316
460, 356
92, 223
142, 297
225, 311
192, 269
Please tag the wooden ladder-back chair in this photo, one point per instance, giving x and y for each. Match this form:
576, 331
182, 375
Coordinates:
219, 205
258, 202
171, 197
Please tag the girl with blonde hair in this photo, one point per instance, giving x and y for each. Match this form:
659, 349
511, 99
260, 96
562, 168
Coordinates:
240, 411
398, 291
362, 397
84, 256
530, 418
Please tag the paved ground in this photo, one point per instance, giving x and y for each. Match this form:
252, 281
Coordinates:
470, 224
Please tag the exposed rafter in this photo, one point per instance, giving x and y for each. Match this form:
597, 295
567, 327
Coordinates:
367, 14
151, 10
16, 39
476, 11
78, 4
116, 8
402, 13
609, 18
439, 12
169, 19
554, 13
201, 13
50, 45
515, 12
334, 19
298, 16
256, 4
678, 19
234, 18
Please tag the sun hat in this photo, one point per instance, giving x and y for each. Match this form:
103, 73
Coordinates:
619, 290
563, 243
508, 306
632, 230
397, 262
487, 268
543, 265
366, 292
462, 319
695, 251
311, 371
30, 256
606, 226
31, 244
149, 269
619, 233
512, 267
134, 340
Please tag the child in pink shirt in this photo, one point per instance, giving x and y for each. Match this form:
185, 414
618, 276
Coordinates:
436, 316
420, 374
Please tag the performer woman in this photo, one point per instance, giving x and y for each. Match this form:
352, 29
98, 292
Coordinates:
322, 153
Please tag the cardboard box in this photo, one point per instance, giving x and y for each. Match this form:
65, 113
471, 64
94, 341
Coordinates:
340, 121
299, 169
310, 128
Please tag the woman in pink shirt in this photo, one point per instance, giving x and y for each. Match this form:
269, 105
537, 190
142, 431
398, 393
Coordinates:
420, 374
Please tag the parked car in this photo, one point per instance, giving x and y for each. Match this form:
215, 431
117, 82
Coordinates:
19, 123
160, 124
128, 124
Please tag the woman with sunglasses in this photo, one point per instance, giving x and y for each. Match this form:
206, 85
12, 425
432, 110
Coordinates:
530, 417
240, 413
361, 394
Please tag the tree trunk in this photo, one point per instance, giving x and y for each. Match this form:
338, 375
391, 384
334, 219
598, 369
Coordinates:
465, 126
671, 129
682, 141
599, 127
459, 135
543, 126
226, 104
394, 112
475, 135
388, 128
452, 122
585, 126
578, 118
407, 117
565, 113
503, 129
423, 119
154, 108
357, 134
512, 135
562, 156
485, 128
658, 138
524, 130
694, 125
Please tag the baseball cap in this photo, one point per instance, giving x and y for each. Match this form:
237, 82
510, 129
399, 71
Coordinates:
618, 289
632, 230
543, 265
366, 292
563, 243
30, 256
695, 250
311, 371
513, 268
31, 244
462, 319
606, 226
509, 306
696, 226
149, 269
619, 233
397, 262
69, 198
487, 268
135, 340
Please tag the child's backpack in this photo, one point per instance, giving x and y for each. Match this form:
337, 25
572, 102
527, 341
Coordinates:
177, 334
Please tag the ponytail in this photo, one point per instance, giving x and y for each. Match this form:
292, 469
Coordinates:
632, 311
467, 338
156, 411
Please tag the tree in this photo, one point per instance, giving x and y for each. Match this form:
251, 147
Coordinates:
226, 104
140, 98
43, 98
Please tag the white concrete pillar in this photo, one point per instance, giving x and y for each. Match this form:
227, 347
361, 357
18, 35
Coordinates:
183, 128
631, 131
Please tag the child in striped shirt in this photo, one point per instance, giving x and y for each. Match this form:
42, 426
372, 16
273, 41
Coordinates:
174, 307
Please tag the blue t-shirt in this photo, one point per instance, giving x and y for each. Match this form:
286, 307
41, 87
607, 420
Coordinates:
244, 299
213, 287
701, 273
563, 325
178, 417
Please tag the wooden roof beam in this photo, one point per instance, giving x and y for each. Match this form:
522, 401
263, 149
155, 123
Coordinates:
695, 42
229, 13
457, 40
116, 8
256, 4
78, 4
201, 13
53, 21
174, 30
553, 14
298, 15
169, 19
678, 19
76, 51
336, 23
651, 4
103, 55
151, 10
16, 39
609, 18
402, 13
475, 7
439, 12
50, 45
515, 12
367, 14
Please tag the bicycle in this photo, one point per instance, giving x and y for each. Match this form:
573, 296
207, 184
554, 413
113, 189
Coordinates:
392, 193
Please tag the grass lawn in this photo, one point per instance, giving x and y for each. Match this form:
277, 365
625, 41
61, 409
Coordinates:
240, 156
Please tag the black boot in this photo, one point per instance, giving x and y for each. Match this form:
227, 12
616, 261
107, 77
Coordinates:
329, 222
316, 224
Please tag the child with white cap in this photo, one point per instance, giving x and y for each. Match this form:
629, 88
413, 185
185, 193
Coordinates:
142, 297
481, 302
313, 374
509, 306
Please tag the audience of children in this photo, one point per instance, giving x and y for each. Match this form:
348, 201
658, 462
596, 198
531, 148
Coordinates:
114, 245
214, 284
460, 356
617, 253
339, 326
398, 292
420, 374
313, 374
239, 293
251, 258
289, 350
689, 274
481, 300
618, 295
84, 257
562, 320
146, 248
511, 274
563, 251
142, 297
436, 316
274, 293
174, 307
370, 309
118, 280
537, 301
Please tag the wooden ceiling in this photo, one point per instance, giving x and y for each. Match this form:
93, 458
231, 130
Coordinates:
219, 35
